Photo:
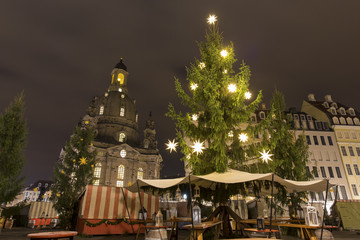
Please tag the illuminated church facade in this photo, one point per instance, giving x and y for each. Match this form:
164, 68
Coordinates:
121, 156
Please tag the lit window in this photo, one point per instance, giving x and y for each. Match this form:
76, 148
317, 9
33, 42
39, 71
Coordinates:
96, 182
122, 111
119, 183
348, 169
97, 170
122, 137
140, 173
123, 153
101, 112
121, 172
355, 191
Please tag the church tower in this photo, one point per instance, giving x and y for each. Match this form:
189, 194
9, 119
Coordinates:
122, 156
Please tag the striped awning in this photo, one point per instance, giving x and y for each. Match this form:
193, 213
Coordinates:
42, 210
102, 202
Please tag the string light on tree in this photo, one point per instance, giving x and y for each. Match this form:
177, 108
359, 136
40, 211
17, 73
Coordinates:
202, 65
266, 156
231, 134
212, 19
225, 71
224, 53
243, 137
247, 95
194, 117
232, 88
171, 145
193, 86
198, 147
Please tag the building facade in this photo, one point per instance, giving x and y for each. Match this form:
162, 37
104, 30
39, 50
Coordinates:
121, 156
346, 125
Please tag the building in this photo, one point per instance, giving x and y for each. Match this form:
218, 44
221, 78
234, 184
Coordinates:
346, 126
121, 156
324, 157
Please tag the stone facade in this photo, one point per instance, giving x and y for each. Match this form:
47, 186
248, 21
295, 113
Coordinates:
121, 156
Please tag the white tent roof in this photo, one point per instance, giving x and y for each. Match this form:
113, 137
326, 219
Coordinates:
232, 177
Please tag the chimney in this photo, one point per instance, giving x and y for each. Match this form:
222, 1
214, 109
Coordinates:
263, 106
328, 98
311, 97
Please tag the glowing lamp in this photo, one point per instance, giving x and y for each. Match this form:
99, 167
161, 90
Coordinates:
159, 219
196, 215
197, 191
142, 214
194, 117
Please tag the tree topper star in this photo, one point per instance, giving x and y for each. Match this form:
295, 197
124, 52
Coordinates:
83, 161
171, 145
198, 147
211, 19
266, 156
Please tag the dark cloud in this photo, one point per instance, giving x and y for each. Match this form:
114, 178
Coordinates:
61, 54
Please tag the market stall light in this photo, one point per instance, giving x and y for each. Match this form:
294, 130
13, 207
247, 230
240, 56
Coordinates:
224, 53
247, 95
243, 137
193, 86
198, 147
201, 65
211, 19
266, 156
171, 145
232, 88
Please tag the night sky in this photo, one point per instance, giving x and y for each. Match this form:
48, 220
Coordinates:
61, 53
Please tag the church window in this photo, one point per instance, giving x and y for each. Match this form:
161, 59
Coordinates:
121, 172
123, 153
122, 111
140, 173
97, 170
101, 112
122, 137
121, 78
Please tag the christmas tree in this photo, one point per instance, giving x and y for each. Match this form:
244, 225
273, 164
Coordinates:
72, 174
12, 142
215, 131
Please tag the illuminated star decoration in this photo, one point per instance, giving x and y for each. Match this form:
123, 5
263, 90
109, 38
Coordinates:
232, 88
201, 65
247, 95
212, 19
171, 145
224, 53
193, 86
243, 137
83, 161
265, 156
58, 194
198, 147
194, 117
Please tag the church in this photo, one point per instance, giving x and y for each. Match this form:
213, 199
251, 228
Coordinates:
122, 157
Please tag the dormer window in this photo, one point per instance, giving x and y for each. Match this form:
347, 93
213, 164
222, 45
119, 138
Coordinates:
349, 121
334, 105
296, 117
342, 111
122, 111
342, 121
101, 112
122, 137
356, 121
309, 118
326, 105
262, 115
351, 112
333, 111
302, 117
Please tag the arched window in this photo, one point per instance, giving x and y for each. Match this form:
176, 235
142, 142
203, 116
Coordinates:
121, 172
342, 121
349, 121
122, 111
123, 153
356, 121
335, 120
351, 111
342, 111
122, 137
101, 111
326, 105
334, 105
140, 173
333, 111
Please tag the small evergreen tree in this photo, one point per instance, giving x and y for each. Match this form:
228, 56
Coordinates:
72, 174
12, 142
219, 108
290, 154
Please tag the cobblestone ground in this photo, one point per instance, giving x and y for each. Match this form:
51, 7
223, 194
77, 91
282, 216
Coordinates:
18, 233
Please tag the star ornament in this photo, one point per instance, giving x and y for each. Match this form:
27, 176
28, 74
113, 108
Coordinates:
171, 145
211, 19
232, 88
243, 137
224, 53
193, 86
247, 95
202, 65
266, 156
83, 161
198, 147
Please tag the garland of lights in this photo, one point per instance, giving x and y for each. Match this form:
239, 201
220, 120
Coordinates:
108, 222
